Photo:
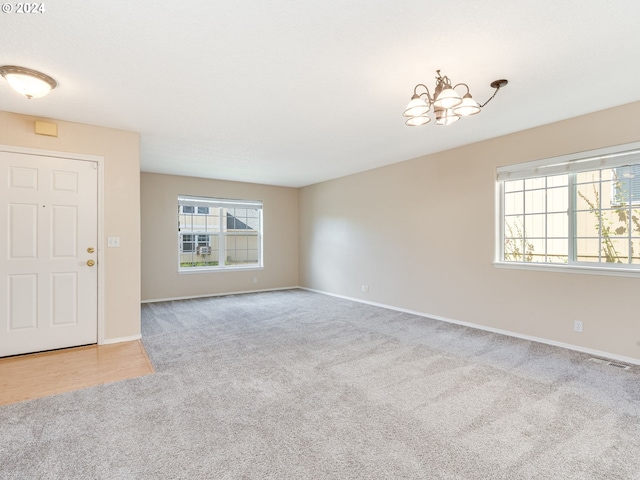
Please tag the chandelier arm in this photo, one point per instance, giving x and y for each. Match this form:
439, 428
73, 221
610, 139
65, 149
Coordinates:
415, 91
497, 86
463, 84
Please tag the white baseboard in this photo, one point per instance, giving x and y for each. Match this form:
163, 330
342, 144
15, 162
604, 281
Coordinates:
596, 353
109, 341
156, 300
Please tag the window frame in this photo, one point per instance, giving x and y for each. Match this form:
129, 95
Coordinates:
601, 159
221, 234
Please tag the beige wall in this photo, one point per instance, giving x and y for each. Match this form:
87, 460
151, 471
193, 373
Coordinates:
421, 234
160, 277
120, 150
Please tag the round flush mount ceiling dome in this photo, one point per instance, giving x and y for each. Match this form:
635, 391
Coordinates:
28, 82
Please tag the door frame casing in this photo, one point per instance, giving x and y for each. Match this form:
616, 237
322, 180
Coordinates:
99, 161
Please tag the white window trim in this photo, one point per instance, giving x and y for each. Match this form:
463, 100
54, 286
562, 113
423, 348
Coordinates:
615, 156
582, 269
235, 268
609, 157
212, 202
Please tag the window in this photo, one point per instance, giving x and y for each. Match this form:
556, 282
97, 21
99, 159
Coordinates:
218, 234
581, 210
193, 243
627, 185
193, 209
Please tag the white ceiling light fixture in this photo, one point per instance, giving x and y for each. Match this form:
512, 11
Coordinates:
27, 82
447, 104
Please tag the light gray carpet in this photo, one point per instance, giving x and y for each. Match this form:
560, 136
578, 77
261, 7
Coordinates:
297, 385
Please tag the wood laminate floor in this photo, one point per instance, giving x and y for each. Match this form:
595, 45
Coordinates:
25, 377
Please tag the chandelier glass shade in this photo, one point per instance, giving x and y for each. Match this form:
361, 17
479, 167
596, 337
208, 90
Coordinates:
448, 106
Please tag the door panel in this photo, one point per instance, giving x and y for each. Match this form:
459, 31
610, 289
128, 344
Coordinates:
22, 231
64, 294
23, 301
49, 208
64, 231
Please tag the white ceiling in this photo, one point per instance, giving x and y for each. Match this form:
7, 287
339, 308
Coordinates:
293, 93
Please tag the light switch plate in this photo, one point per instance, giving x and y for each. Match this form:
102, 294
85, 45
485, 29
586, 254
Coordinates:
113, 241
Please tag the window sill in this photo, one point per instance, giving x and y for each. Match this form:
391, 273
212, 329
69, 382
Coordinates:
192, 270
578, 269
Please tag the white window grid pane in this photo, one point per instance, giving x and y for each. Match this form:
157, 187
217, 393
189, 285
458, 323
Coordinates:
515, 250
557, 250
184, 222
534, 183
588, 250
617, 222
535, 225
535, 201
538, 249
558, 180
586, 225
558, 199
514, 226
614, 250
545, 202
592, 176
241, 248
598, 218
558, 225
587, 196
514, 203
513, 185
198, 250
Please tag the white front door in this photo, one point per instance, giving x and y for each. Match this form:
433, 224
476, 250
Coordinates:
48, 283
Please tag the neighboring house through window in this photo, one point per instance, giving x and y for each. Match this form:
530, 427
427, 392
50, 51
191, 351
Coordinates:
580, 210
218, 234
194, 243
627, 185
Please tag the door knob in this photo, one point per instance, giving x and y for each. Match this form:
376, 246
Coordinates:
91, 250
91, 263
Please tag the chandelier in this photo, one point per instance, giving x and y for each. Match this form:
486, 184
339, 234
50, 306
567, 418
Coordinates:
448, 105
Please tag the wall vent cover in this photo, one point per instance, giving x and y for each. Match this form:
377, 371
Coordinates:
619, 365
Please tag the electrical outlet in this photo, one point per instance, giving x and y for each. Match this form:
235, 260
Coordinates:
365, 288
255, 279
577, 326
